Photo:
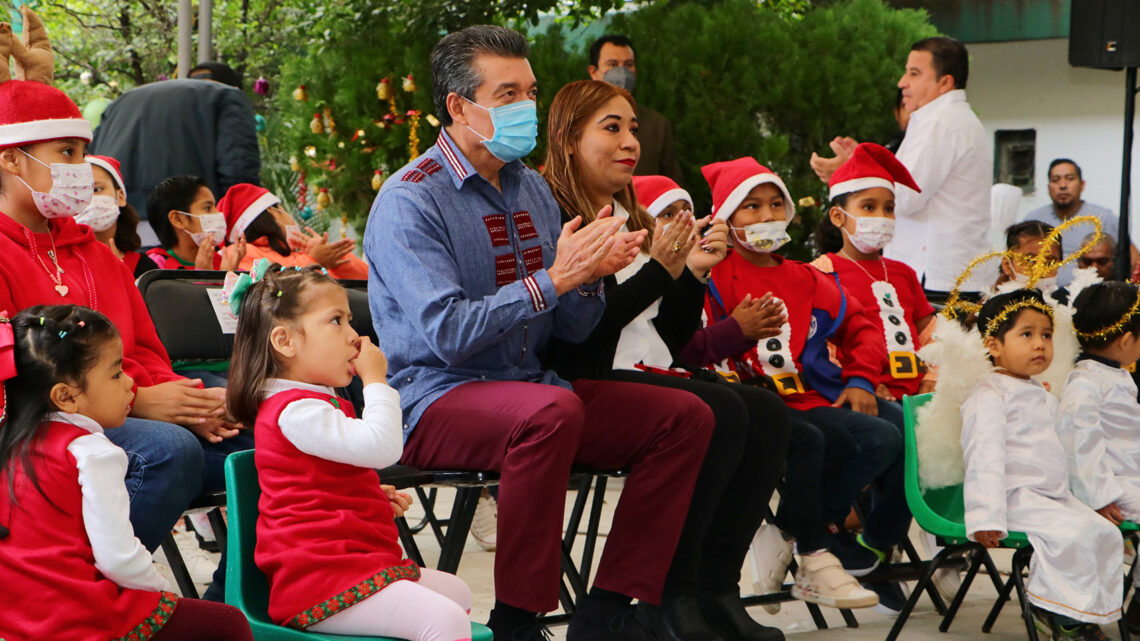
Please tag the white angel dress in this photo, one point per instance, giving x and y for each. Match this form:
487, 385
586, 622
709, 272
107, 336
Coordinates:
1017, 479
1099, 426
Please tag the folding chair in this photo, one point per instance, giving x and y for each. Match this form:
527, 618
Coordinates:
246, 586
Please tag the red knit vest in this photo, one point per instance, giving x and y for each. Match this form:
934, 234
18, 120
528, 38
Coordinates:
326, 534
51, 589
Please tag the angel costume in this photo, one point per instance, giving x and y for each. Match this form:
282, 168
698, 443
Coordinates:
1017, 479
1099, 426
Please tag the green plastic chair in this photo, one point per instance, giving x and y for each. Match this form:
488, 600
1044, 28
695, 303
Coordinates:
941, 512
246, 586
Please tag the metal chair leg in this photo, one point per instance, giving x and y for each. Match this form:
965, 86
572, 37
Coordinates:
178, 568
916, 593
1019, 583
218, 525
960, 595
408, 539
462, 513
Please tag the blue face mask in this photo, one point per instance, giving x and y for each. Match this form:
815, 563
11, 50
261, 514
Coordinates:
516, 130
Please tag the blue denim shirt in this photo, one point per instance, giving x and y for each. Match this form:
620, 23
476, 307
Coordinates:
458, 286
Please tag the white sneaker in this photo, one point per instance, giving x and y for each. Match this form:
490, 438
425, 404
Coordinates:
821, 579
485, 524
771, 554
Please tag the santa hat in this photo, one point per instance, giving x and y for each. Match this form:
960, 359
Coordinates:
658, 192
731, 181
242, 204
111, 166
32, 112
869, 166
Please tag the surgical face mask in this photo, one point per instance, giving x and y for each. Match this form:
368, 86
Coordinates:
871, 233
621, 77
101, 214
764, 238
212, 224
516, 130
71, 189
1046, 285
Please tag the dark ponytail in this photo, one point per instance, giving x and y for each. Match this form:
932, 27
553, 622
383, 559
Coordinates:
53, 344
828, 237
277, 298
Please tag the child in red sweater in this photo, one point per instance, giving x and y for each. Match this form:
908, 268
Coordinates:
185, 217
326, 539
71, 566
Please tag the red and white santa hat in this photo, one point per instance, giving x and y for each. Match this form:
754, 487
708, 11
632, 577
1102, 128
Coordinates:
731, 180
111, 166
870, 165
32, 112
242, 204
658, 192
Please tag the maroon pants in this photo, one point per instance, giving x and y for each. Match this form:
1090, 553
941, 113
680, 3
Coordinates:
531, 433
196, 620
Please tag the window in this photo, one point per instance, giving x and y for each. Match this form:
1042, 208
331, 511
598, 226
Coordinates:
1015, 151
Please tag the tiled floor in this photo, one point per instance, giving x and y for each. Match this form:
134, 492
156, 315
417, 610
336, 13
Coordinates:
477, 564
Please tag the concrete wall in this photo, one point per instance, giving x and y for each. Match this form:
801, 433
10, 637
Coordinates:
1078, 113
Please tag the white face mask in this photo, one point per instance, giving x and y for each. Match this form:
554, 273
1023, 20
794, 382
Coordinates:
1046, 285
71, 189
101, 214
212, 224
764, 238
872, 233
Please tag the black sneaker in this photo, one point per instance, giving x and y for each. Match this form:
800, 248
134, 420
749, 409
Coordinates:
857, 560
527, 632
892, 599
598, 620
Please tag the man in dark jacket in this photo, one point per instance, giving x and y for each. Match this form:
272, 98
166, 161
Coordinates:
203, 126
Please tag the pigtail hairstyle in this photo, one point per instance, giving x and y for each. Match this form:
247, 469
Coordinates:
277, 296
52, 344
569, 115
265, 226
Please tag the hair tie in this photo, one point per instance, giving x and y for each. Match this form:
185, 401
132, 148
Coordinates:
236, 285
41, 321
7, 349
82, 323
324, 271
279, 292
62, 334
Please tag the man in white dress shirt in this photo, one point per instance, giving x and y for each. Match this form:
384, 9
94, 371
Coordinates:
946, 149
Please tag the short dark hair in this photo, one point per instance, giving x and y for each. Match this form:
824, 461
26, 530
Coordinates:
219, 71
950, 58
1018, 232
174, 193
1102, 305
453, 61
615, 39
1064, 161
828, 237
993, 307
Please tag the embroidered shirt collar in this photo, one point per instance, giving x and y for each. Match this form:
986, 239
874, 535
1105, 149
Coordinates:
278, 385
457, 164
78, 420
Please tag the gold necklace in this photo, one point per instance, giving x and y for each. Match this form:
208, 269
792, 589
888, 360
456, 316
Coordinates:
843, 252
56, 278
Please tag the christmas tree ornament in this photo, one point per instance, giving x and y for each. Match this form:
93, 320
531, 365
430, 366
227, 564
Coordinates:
307, 212
340, 145
316, 125
300, 95
384, 89
310, 151
294, 165
409, 84
358, 135
377, 180
432, 120
413, 134
261, 86
330, 124
323, 199
260, 123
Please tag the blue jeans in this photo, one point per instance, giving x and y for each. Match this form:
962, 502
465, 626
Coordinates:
878, 460
164, 473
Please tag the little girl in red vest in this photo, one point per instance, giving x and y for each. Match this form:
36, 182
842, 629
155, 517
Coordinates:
71, 566
326, 536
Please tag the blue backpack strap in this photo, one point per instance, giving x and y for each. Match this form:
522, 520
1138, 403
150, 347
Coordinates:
719, 306
842, 306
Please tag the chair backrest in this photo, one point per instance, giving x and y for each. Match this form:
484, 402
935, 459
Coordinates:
246, 587
940, 511
180, 307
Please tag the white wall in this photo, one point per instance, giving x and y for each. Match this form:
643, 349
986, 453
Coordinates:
1078, 113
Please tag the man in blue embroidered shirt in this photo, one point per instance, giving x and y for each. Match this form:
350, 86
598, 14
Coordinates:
469, 276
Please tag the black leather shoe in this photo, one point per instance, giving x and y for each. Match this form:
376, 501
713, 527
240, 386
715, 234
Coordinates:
597, 620
726, 615
677, 619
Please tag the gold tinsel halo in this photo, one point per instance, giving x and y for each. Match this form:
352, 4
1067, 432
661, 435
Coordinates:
1013, 308
1036, 266
1115, 327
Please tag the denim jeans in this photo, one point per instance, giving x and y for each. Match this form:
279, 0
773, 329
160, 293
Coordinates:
164, 473
878, 459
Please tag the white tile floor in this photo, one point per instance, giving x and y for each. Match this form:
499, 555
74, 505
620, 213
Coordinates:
476, 569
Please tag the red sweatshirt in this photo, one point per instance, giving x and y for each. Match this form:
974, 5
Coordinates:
818, 310
93, 277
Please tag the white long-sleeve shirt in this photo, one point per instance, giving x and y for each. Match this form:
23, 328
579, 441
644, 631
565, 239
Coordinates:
316, 427
1099, 425
102, 466
939, 231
